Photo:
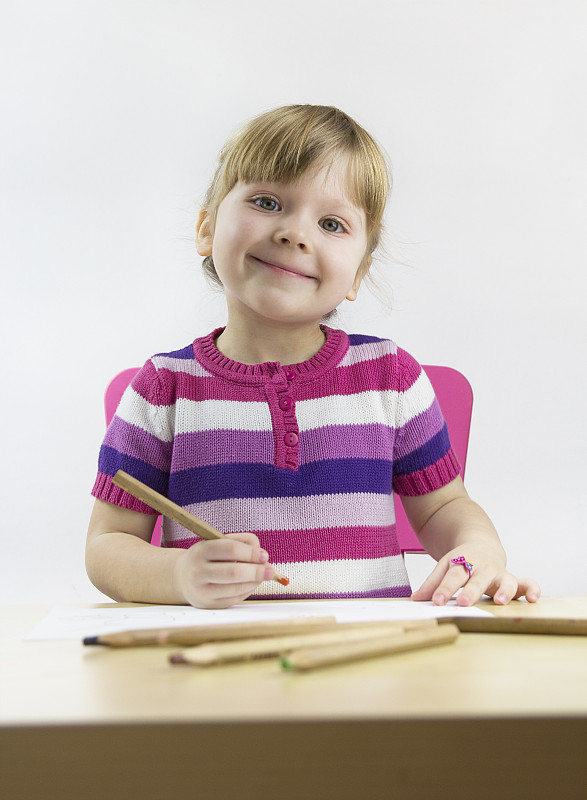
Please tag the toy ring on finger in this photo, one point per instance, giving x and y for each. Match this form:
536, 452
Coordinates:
462, 561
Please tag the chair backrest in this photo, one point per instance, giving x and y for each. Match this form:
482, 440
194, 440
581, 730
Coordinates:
455, 397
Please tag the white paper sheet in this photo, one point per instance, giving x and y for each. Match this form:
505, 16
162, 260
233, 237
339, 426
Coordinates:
75, 622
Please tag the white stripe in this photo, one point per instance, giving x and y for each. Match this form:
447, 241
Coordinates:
304, 513
135, 410
208, 415
363, 575
187, 365
368, 352
385, 407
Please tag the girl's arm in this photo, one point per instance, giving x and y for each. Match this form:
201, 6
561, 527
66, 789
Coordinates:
449, 524
122, 563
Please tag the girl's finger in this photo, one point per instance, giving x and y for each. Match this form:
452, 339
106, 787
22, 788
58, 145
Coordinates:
527, 587
482, 583
431, 583
456, 577
233, 548
235, 573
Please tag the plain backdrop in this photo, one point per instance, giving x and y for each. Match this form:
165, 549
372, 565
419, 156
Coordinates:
112, 113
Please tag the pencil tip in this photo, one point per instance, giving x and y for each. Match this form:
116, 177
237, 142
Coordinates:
283, 581
91, 640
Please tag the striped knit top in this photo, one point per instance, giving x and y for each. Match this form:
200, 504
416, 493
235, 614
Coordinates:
306, 456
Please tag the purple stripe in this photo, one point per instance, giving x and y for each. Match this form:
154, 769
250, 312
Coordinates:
392, 591
204, 448
137, 443
225, 481
409, 437
428, 480
110, 461
425, 455
342, 441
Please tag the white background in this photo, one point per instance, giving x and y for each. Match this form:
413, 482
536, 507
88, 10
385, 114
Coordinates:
112, 115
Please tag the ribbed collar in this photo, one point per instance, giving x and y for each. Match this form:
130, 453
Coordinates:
329, 355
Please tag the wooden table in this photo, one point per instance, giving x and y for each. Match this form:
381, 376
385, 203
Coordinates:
492, 716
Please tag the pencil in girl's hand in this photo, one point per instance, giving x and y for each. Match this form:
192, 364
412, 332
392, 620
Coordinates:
170, 509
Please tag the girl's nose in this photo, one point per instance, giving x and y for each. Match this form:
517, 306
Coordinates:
292, 233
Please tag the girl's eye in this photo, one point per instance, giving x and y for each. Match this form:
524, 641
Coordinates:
267, 203
332, 225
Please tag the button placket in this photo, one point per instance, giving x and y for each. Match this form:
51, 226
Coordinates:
283, 415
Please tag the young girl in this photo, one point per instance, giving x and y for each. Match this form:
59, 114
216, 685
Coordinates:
287, 434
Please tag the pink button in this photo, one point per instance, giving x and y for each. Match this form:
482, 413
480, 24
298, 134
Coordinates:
290, 439
290, 373
285, 403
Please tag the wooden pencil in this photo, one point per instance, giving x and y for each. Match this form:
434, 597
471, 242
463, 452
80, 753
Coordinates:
314, 657
539, 625
214, 653
170, 509
198, 634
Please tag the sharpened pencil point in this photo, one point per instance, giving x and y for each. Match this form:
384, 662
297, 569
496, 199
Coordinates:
283, 581
92, 640
285, 664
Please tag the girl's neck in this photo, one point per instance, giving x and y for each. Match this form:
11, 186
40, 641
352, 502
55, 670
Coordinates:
285, 345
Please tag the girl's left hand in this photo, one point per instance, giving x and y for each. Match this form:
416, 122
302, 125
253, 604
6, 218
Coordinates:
487, 577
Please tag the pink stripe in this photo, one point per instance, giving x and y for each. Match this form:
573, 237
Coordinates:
329, 544
105, 490
321, 544
165, 386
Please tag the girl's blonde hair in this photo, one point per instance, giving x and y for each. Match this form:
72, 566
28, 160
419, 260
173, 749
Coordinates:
282, 144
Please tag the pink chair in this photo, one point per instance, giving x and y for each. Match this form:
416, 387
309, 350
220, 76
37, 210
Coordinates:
455, 397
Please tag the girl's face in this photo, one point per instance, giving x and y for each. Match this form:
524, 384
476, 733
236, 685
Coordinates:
288, 253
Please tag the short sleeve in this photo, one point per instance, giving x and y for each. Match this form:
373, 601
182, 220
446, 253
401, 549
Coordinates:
423, 456
138, 440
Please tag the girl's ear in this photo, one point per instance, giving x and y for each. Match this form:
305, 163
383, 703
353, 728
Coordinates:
204, 235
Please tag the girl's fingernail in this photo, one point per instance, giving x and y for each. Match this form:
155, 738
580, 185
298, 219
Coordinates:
501, 598
269, 573
263, 556
439, 599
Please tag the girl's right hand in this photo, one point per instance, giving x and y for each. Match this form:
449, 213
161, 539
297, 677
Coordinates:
222, 572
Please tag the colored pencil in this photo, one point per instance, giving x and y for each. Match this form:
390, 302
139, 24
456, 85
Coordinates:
539, 625
314, 657
198, 634
223, 652
170, 509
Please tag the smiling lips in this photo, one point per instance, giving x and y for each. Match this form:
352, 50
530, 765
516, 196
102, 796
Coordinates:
282, 268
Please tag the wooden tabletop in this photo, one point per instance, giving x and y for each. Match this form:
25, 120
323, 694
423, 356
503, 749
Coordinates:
450, 702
